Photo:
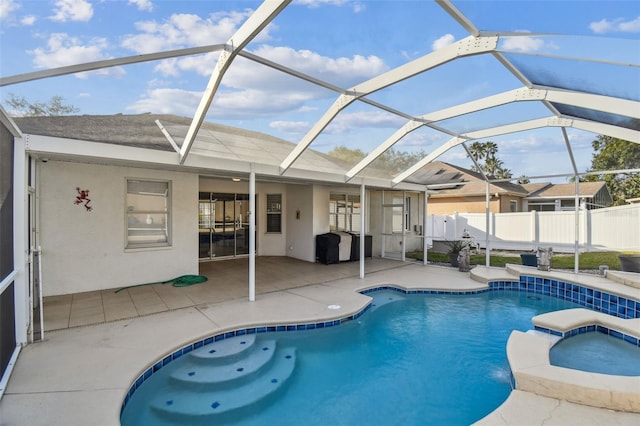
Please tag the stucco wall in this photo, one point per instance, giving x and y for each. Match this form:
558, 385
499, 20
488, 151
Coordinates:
85, 250
300, 239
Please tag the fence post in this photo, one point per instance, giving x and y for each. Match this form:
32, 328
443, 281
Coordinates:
534, 229
455, 225
586, 223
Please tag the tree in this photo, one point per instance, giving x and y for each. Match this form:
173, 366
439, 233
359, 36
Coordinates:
485, 156
21, 107
616, 154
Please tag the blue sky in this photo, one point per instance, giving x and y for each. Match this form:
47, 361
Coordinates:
341, 42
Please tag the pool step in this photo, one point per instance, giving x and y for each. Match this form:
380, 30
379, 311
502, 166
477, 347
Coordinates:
382, 298
215, 375
185, 406
224, 351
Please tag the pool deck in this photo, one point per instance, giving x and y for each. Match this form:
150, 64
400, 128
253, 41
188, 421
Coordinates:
79, 375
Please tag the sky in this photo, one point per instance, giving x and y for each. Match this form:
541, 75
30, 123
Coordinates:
338, 41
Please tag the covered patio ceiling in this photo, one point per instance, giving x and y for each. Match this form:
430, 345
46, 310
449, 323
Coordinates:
564, 88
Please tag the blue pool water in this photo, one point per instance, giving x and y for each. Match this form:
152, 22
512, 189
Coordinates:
598, 353
410, 360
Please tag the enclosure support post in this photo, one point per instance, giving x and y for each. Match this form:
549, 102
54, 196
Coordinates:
362, 230
424, 229
576, 254
487, 210
252, 235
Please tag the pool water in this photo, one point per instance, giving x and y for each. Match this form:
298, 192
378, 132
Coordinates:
410, 360
598, 353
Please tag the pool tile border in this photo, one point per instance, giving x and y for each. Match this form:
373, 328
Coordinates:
593, 299
596, 300
592, 328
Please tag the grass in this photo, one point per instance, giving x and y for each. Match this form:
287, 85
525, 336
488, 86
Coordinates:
590, 260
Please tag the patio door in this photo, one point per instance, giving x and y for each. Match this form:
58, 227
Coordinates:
223, 225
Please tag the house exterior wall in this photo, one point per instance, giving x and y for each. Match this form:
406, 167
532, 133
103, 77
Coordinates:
85, 250
476, 204
300, 213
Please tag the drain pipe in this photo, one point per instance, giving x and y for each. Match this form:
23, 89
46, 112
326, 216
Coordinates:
252, 235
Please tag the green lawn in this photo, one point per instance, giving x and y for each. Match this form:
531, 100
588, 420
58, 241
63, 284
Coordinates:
590, 260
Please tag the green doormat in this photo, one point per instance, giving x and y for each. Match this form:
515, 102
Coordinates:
181, 281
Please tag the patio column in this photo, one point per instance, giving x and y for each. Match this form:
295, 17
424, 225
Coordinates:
362, 230
20, 250
487, 258
425, 243
252, 235
576, 254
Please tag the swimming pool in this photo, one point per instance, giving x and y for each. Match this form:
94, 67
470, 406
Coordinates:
410, 359
598, 353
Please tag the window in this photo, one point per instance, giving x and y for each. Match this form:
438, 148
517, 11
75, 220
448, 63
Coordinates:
274, 213
344, 212
513, 206
148, 213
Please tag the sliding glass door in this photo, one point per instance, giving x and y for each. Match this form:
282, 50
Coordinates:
223, 225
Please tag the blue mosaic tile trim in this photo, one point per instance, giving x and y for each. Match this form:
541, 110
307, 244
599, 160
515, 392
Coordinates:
590, 329
596, 300
399, 290
226, 335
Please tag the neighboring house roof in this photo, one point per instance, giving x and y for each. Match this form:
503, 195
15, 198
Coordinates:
568, 190
465, 182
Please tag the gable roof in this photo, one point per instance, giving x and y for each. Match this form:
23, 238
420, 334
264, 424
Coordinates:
568, 190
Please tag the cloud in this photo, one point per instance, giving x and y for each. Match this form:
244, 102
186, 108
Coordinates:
523, 44
62, 50
443, 41
292, 127
28, 20
167, 101
615, 26
142, 4
345, 122
357, 6
72, 10
226, 104
187, 30
6, 7
249, 88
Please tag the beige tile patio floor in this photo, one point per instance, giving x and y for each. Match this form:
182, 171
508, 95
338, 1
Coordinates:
227, 280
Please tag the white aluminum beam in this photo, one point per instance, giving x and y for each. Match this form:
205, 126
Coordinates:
466, 47
458, 16
259, 19
595, 102
607, 129
590, 126
108, 63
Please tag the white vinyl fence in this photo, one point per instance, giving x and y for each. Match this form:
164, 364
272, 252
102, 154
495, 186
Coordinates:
613, 228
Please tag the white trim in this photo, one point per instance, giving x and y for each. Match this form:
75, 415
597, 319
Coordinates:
4, 381
6, 282
20, 238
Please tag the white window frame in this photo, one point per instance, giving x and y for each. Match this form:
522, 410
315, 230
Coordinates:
147, 214
274, 208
